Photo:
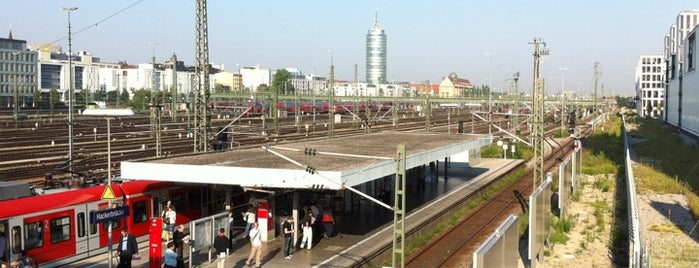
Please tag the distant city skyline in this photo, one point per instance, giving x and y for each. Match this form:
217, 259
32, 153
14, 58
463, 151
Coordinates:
428, 40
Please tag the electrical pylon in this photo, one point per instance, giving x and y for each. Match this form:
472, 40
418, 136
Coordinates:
202, 122
538, 113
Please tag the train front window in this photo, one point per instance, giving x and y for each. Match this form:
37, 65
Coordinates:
60, 229
33, 235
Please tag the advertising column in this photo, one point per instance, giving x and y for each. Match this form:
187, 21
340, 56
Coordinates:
155, 251
265, 220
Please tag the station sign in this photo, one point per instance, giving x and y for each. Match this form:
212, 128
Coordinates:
111, 214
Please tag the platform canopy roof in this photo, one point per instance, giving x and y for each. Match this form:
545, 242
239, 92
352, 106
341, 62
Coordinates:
335, 162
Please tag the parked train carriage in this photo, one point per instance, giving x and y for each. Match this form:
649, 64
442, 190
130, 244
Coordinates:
54, 229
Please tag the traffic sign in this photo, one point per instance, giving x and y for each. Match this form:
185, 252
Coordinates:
108, 193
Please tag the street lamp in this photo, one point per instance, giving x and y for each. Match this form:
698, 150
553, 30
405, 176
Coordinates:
109, 114
70, 90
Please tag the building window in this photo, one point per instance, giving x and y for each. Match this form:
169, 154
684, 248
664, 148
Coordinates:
691, 46
673, 64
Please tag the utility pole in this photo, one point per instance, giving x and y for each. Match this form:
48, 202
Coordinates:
356, 98
428, 108
490, 91
155, 123
515, 102
71, 93
538, 113
562, 69
331, 104
596, 74
174, 88
275, 111
202, 120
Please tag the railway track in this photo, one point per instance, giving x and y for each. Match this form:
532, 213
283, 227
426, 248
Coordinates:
31, 151
455, 247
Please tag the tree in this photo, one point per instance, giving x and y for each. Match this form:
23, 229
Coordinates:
141, 99
263, 88
124, 96
281, 83
36, 97
53, 98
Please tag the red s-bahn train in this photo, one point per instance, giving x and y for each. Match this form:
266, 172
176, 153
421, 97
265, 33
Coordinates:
54, 229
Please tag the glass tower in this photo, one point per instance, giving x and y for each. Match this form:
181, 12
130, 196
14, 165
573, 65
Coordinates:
376, 54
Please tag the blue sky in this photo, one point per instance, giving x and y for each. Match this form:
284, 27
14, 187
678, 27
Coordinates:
426, 39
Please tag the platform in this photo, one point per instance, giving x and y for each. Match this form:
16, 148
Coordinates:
364, 231
361, 231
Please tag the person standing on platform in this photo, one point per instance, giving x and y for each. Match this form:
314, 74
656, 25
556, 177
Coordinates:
170, 259
255, 246
169, 220
288, 229
177, 238
127, 248
250, 219
317, 225
221, 243
307, 228
328, 223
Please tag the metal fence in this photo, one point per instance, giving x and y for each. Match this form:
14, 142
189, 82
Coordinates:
635, 246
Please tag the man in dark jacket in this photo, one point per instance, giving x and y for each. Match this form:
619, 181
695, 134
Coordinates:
126, 249
221, 243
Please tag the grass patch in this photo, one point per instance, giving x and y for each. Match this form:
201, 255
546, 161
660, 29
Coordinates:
561, 226
669, 153
651, 180
669, 164
494, 151
665, 228
595, 164
604, 184
600, 208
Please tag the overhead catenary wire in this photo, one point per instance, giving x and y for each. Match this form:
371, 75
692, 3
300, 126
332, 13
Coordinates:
98, 22
268, 149
335, 154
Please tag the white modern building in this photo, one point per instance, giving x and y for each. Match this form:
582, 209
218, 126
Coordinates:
376, 54
650, 85
349, 89
54, 72
255, 76
682, 86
